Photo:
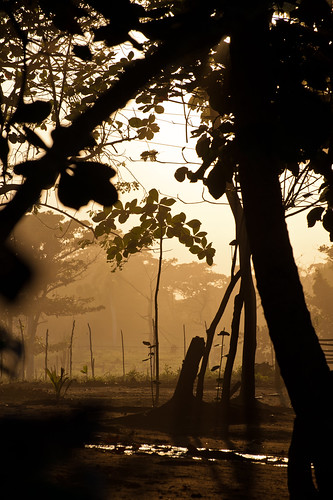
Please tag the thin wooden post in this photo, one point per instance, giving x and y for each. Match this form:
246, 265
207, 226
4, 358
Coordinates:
71, 350
92, 360
153, 343
46, 351
123, 352
23, 350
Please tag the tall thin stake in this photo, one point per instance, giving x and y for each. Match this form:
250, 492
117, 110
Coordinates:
123, 352
71, 350
92, 360
22, 339
46, 351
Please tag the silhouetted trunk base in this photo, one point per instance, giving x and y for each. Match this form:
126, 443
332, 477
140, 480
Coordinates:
310, 445
184, 411
184, 388
236, 410
182, 414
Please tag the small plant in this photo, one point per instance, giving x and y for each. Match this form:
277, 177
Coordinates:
151, 353
85, 370
168, 375
60, 382
218, 367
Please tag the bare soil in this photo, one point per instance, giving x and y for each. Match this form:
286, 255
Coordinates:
43, 446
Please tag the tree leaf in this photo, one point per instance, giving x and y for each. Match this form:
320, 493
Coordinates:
99, 216
224, 333
195, 249
149, 134
202, 146
314, 215
159, 109
135, 122
214, 368
181, 173
86, 181
179, 218
167, 201
216, 181
152, 196
195, 225
328, 220
123, 217
209, 260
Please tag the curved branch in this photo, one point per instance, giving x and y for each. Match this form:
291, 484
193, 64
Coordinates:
63, 212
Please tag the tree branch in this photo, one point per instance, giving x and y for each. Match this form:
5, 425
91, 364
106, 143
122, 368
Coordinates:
184, 42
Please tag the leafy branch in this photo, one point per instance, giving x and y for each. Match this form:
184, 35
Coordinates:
156, 221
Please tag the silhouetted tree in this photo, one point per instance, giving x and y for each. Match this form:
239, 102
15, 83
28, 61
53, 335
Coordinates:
157, 223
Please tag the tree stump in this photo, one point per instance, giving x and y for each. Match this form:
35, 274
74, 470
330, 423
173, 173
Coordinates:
184, 388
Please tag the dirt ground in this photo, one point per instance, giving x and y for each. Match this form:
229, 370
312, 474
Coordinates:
61, 449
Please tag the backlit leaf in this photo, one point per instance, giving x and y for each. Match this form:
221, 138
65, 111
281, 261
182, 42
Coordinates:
135, 122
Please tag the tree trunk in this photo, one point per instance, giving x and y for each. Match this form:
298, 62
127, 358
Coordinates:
300, 357
250, 303
182, 413
156, 322
184, 388
211, 332
226, 390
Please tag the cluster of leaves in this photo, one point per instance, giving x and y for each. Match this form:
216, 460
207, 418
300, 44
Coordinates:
64, 85
146, 127
298, 127
213, 147
156, 223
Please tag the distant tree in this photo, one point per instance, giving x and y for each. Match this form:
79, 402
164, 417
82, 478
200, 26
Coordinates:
195, 289
56, 254
319, 293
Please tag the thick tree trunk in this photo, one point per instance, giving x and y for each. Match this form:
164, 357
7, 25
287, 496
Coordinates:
300, 357
298, 352
183, 411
